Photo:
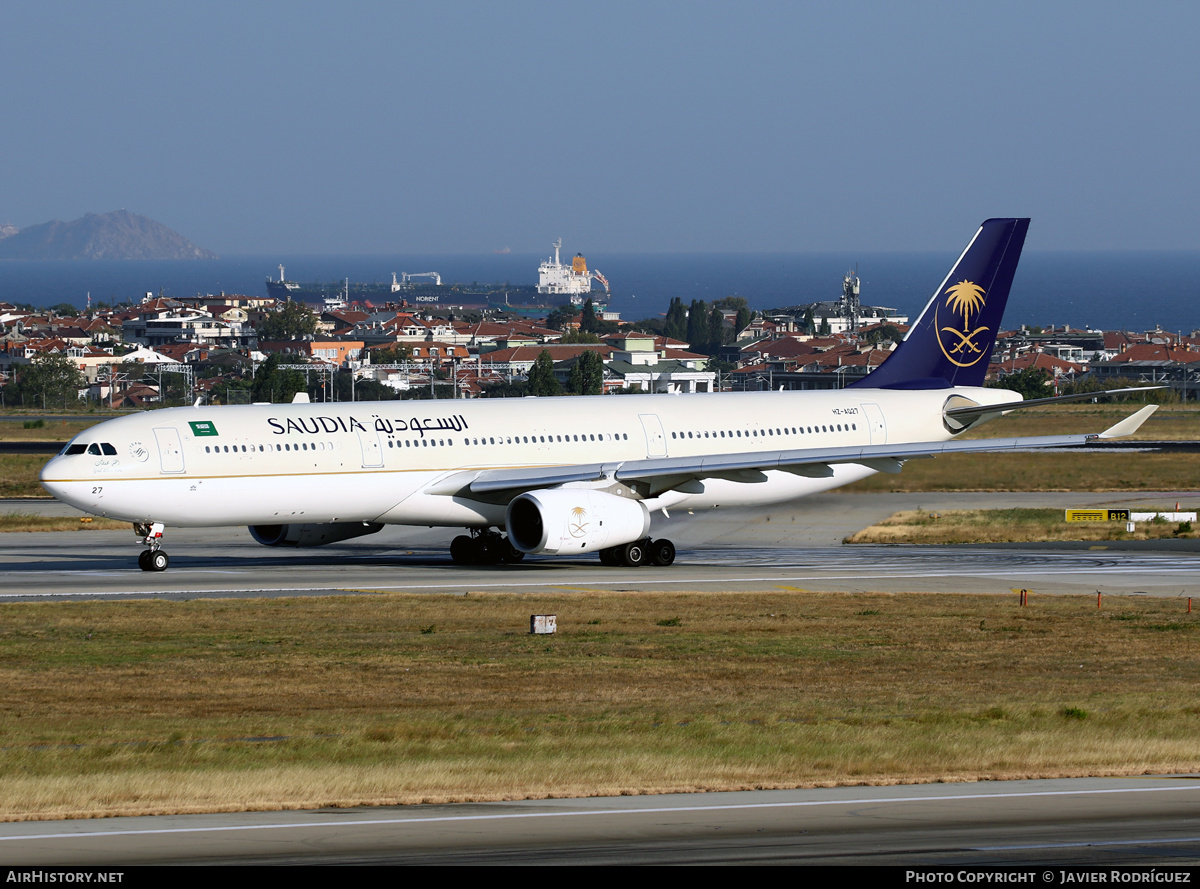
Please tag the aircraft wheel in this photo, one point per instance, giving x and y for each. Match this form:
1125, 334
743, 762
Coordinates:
158, 561
462, 550
487, 550
511, 553
662, 552
144, 560
610, 556
633, 554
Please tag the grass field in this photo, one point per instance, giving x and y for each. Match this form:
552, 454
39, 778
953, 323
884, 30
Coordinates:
1042, 472
227, 704
19, 428
1007, 526
19, 521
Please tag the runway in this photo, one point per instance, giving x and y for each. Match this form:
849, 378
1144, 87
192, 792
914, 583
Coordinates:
231, 565
1085, 822
795, 548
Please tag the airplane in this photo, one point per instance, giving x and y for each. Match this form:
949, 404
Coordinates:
561, 476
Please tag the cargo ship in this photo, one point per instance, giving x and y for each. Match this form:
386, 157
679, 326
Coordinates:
559, 284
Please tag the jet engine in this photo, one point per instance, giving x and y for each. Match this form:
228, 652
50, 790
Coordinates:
573, 520
312, 534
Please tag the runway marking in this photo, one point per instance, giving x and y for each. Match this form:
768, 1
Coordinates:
660, 810
1087, 845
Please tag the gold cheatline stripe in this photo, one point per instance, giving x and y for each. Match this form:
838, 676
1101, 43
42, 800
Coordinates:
99, 479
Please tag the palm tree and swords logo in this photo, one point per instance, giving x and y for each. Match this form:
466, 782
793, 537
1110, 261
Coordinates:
964, 298
577, 522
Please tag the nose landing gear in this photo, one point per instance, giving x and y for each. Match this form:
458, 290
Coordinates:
152, 559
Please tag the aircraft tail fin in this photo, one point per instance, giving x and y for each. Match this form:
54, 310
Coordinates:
951, 343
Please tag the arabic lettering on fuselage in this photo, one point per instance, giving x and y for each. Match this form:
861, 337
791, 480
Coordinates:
316, 425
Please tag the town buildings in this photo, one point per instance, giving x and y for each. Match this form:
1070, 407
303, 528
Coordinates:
207, 346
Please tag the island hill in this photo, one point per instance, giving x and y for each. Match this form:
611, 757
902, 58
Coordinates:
116, 235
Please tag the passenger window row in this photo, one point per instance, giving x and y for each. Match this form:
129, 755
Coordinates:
511, 439
243, 449
763, 433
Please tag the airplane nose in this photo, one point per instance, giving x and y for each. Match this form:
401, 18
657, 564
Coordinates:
50, 472
54, 479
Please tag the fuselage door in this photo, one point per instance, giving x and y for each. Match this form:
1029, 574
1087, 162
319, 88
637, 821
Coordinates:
656, 440
875, 423
372, 453
170, 449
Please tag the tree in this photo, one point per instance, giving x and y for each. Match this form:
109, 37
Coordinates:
587, 375
697, 324
742, 322
505, 389
276, 385
541, 376
50, 380
676, 323
391, 355
291, 322
588, 321
561, 317
232, 392
810, 323
884, 333
572, 337
716, 332
1030, 382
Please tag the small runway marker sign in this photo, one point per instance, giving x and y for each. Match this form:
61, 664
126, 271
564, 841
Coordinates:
1097, 515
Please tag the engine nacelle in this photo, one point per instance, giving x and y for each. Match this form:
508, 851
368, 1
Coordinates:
573, 520
312, 534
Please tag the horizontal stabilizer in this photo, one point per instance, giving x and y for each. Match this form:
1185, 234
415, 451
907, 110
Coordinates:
975, 411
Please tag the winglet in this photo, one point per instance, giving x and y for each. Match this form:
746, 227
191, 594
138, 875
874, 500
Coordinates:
1130, 424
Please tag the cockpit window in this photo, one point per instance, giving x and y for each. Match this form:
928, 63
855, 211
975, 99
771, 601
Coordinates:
107, 449
94, 448
73, 449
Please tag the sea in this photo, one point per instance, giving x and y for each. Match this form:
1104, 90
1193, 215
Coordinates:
1134, 291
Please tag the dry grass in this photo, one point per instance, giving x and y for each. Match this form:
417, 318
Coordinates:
1005, 526
14, 428
110, 708
1042, 472
19, 475
17, 521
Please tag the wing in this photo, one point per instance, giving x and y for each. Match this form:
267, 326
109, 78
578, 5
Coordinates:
655, 475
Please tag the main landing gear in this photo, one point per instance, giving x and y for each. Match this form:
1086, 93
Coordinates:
483, 548
640, 552
152, 559
492, 548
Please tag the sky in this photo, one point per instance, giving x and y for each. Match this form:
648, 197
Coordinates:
469, 127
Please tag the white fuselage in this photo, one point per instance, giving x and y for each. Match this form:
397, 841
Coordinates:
383, 461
